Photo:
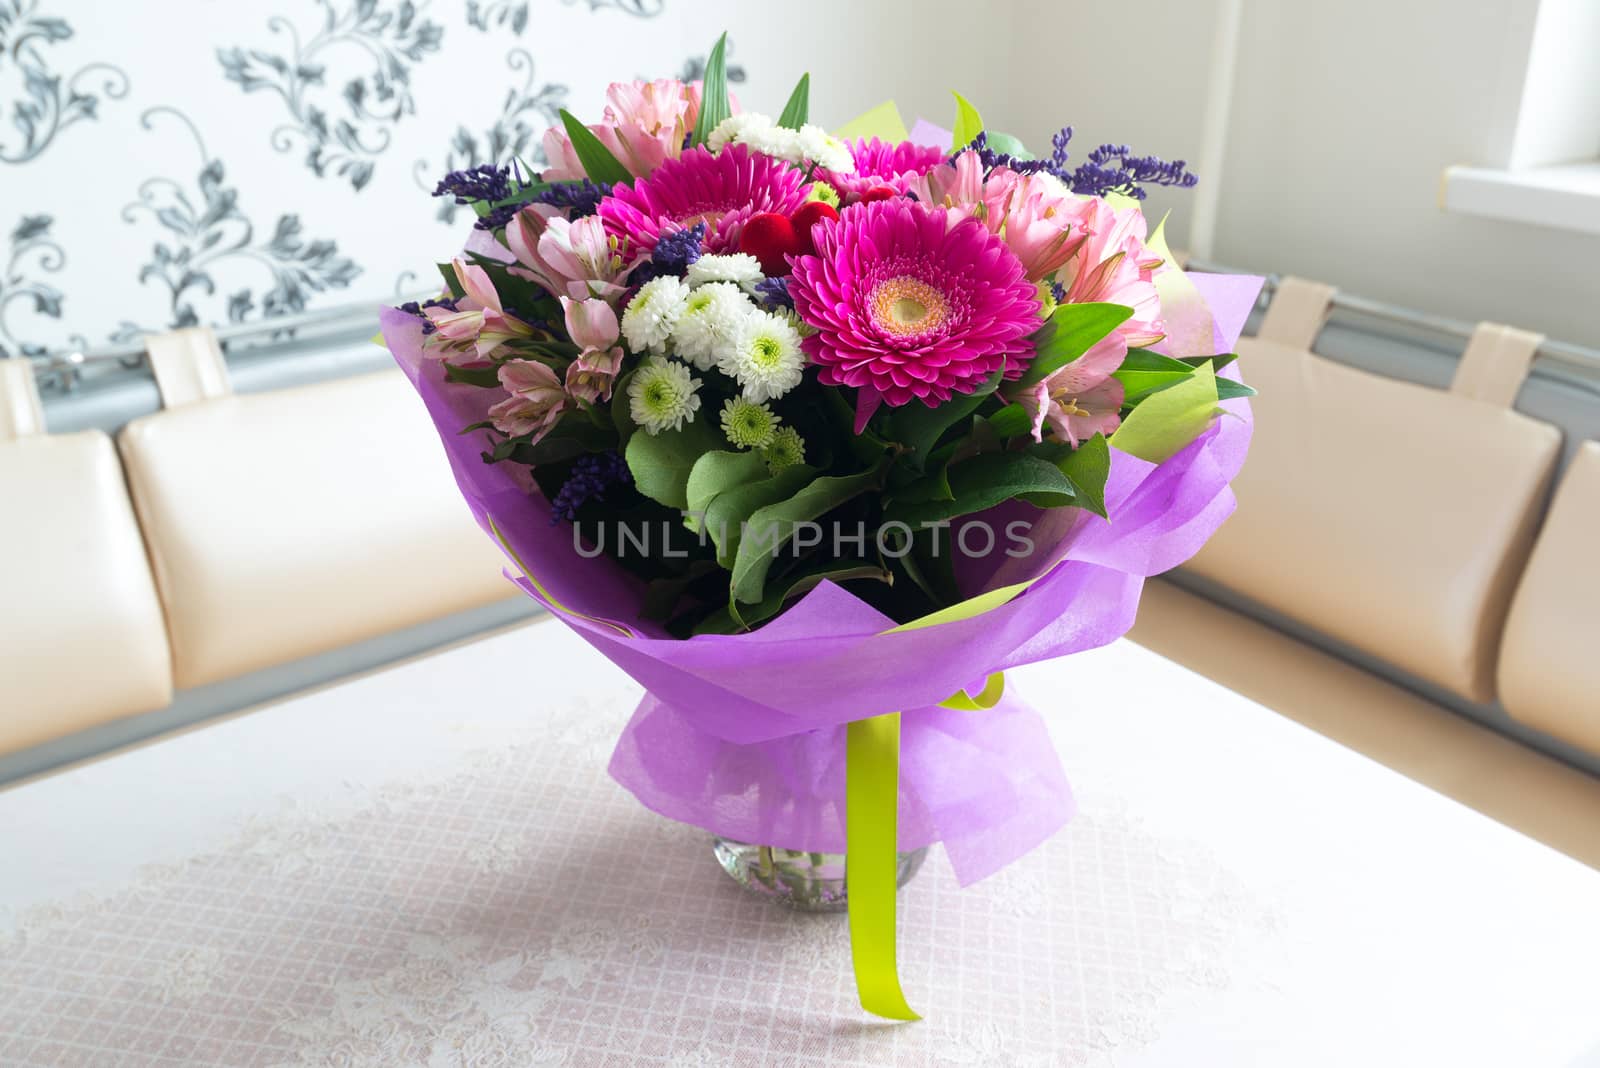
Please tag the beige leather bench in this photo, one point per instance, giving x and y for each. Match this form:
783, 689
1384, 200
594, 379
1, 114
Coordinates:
278, 525
1550, 660
283, 524
82, 641
1396, 520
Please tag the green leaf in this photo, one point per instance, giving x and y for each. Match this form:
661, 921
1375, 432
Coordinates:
447, 271
621, 411
1006, 144
714, 92
1217, 362
1088, 466
1075, 329
733, 507
985, 481
969, 123
661, 462
1010, 421
598, 162
798, 109
919, 427
1136, 385
716, 472
1231, 389
771, 527
483, 377
804, 583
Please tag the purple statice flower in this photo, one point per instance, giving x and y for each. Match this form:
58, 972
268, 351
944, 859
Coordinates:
774, 292
578, 199
673, 253
1110, 168
411, 307
500, 215
1058, 292
591, 477
1115, 169
485, 182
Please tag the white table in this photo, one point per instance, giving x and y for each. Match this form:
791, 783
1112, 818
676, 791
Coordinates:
429, 866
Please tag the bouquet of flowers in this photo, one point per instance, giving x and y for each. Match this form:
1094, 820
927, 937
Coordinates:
814, 435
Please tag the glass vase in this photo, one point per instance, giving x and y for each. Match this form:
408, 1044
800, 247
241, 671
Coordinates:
806, 882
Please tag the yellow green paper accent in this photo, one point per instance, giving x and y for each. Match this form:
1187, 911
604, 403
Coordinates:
1165, 422
883, 122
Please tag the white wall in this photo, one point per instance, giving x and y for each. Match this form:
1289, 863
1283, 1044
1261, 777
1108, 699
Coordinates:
1345, 116
105, 214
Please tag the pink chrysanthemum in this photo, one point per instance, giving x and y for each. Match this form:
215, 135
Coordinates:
723, 191
895, 164
908, 307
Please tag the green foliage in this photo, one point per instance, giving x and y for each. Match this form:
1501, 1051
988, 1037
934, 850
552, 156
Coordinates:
451, 282
919, 427
598, 162
715, 473
1008, 145
661, 463
730, 509
770, 527
714, 107
1072, 331
798, 110
1145, 372
483, 377
987, 480
1087, 467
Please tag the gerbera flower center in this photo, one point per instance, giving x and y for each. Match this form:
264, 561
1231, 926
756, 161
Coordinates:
906, 306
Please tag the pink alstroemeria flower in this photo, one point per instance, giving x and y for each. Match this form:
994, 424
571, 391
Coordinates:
592, 325
644, 125
964, 190
1044, 225
536, 402
479, 324
1113, 265
1081, 399
572, 258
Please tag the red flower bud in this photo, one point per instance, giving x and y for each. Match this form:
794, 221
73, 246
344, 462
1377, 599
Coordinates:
807, 216
769, 237
877, 192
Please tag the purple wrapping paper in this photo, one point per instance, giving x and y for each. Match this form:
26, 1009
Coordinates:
743, 734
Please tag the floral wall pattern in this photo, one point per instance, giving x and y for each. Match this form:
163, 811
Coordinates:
249, 160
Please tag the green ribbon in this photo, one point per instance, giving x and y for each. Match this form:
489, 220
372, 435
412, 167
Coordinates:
872, 802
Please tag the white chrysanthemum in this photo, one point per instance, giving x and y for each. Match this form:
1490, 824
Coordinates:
736, 128
825, 150
747, 424
709, 323
786, 449
653, 312
740, 268
775, 141
663, 395
765, 358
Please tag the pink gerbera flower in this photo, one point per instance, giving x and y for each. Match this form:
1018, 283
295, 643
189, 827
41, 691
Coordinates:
909, 307
895, 164
723, 191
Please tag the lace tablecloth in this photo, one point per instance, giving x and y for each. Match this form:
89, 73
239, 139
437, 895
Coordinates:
429, 866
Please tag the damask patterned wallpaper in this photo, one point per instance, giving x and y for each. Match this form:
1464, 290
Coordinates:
171, 162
